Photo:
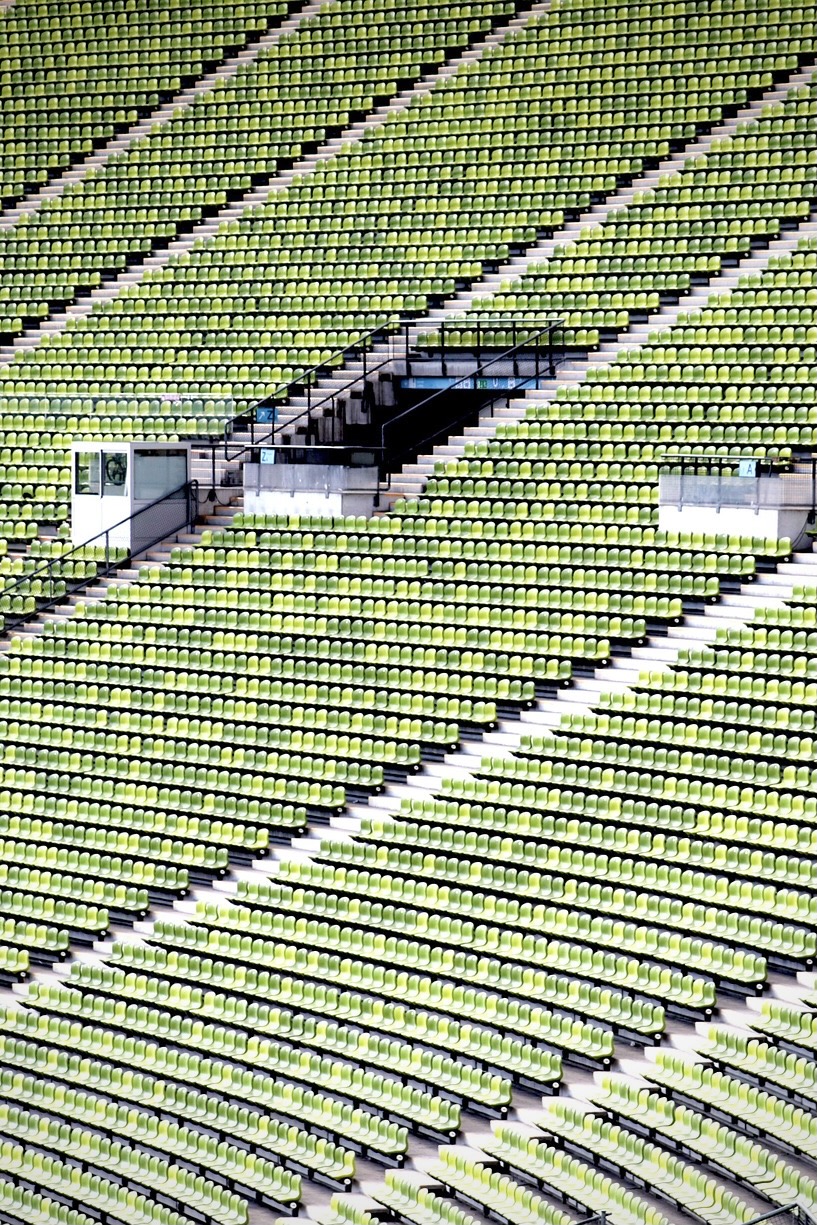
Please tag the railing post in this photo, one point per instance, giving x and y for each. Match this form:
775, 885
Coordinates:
443, 361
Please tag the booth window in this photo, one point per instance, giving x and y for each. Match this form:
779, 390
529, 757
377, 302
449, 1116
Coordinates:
115, 471
158, 473
86, 473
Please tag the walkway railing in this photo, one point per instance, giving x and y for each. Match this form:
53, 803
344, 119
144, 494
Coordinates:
45, 586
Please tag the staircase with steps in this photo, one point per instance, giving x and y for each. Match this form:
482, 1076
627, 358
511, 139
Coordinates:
119, 143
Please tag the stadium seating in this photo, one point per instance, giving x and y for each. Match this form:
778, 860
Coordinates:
595, 452
712, 211
785, 1125
761, 1060
650, 859
622, 1152
286, 287
124, 60
335, 66
470, 1174
704, 1138
134, 768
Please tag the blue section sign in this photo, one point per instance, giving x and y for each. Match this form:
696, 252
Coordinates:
435, 382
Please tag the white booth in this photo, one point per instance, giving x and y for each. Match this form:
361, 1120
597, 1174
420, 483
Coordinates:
132, 490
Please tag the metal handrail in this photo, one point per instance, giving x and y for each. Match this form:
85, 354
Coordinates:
303, 378
189, 492
449, 425
467, 378
478, 322
363, 344
532, 340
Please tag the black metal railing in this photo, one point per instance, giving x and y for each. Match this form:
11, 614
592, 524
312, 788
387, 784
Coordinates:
391, 458
321, 420
524, 333
45, 586
263, 433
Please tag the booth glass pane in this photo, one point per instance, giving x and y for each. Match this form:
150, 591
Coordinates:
115, 474
86, 473
158, 473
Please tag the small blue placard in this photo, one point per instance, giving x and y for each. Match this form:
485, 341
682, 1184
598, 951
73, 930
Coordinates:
268, 455
747, 467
